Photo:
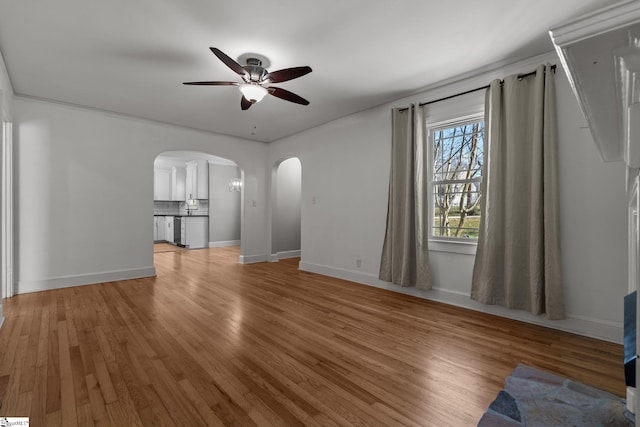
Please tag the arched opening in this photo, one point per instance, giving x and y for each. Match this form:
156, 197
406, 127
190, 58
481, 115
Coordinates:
286, 203
197, 202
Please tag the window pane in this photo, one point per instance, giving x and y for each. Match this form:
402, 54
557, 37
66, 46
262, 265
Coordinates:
457, 172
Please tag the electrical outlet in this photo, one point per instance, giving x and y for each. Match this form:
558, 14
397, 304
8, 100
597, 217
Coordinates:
358, 263
313, 200
253, 203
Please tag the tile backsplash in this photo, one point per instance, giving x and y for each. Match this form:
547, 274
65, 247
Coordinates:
179, 208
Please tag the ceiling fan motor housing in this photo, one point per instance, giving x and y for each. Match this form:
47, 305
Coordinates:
255, 70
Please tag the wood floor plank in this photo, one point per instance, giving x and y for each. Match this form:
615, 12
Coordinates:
54, 419
53, 402
27, 377
109, 394
204, 410
209, 341
12, 399
157, 414
85, 415
67, 390
10, 348
122, 414
98, 408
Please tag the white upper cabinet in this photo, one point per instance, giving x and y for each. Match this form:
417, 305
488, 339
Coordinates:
162, 183
600, 53
191, 181
197, 179
179, 181
203, 179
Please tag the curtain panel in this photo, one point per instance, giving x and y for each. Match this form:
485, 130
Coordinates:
405, 259
517, 263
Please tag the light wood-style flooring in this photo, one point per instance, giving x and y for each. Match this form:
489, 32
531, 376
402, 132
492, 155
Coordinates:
212, 342
166, 247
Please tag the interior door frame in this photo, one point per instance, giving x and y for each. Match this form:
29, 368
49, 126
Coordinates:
6, 214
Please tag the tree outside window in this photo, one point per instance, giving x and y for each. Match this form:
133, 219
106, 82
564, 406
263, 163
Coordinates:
457, 153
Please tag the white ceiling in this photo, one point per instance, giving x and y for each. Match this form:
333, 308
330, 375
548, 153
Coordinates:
131, 57
180, 158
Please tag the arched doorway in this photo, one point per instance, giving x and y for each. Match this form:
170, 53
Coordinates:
287, 217
197, 199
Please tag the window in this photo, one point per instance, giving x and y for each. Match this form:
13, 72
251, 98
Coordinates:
456, 149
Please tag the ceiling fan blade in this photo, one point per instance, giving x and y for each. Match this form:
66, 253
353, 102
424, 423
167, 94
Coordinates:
287, 74
229, 62
287, 96
245, 103
212, 83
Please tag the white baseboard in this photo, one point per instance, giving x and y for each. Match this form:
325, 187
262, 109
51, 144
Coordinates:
26, 286
288, 254
284, 255
252, 259
590, 327
224, 243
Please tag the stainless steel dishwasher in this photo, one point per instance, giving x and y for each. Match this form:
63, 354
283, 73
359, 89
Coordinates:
179, 231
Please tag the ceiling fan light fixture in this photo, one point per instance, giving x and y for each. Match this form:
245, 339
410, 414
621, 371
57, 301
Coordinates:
253, 92
255, 77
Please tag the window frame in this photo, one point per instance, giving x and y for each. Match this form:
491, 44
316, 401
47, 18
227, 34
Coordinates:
443, 243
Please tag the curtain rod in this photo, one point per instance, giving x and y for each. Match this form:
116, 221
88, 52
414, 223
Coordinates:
520, 76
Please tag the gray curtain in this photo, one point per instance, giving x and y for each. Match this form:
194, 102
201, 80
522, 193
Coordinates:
405, 260
517, 264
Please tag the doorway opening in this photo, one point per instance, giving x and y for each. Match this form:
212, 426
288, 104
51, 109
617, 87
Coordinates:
287, 209
196, 202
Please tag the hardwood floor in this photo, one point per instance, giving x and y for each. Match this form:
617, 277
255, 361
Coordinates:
212, 342
166, 247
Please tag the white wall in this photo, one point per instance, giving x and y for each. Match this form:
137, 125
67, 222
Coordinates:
287, 209
6, 114
85, 185
224, 206
346, 169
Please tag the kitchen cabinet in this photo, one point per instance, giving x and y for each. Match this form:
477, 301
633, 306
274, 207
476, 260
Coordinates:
178, 183
170, 183
203, 179
197, 179
168, 229
155, 228
196, 232
161, 229
161, 183
191, 181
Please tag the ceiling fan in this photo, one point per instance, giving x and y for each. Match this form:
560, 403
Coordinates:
255, 78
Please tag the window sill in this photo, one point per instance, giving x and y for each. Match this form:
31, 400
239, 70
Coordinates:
456, 247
